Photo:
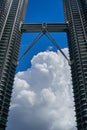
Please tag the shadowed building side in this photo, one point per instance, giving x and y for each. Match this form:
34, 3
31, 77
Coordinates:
84, 8
10, 35
84, 2
2, 5
77, 38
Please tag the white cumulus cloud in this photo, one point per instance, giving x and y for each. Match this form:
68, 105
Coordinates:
42, 97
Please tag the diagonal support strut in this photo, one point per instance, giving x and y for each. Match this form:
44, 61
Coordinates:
31, 45
57, 46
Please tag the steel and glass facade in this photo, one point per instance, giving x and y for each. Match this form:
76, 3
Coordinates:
77, 42
10, 21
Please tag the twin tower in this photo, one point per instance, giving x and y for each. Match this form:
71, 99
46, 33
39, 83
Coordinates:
12, 14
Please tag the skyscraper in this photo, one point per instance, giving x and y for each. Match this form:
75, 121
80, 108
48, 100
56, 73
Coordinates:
11, 16
12, 13
76, 17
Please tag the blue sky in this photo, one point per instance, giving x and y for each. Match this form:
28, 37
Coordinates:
38, 12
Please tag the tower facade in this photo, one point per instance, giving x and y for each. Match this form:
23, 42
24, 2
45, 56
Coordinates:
76, 17
11, 16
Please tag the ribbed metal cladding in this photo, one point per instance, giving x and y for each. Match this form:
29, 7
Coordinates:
84, 8
77, 38
9, 48
2, 6
5, 8
2, 2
